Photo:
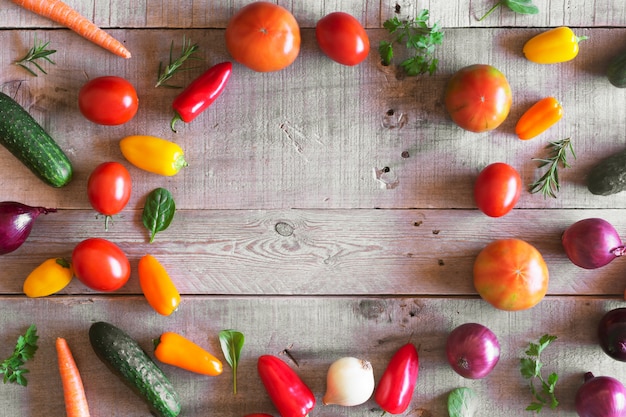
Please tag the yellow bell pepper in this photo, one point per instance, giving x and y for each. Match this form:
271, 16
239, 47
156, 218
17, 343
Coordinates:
153, 154
553, 46
48, 278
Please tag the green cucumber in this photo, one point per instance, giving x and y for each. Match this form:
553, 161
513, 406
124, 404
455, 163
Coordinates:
28, 141
131, 363
609, 175
616, 72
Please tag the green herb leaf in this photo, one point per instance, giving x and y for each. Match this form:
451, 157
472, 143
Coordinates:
188, 51
549, 184
25, 349
417, 36
517, 6
38, 51
158, 211
231, 342
462, 402
530, 368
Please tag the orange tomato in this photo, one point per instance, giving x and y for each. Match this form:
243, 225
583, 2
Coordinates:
478, 98
263, 36
511, 275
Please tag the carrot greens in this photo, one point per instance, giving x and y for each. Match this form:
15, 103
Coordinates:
25, 348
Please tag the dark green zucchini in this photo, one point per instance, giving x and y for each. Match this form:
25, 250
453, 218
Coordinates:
609, 175
28, 141
616, 72
131, 363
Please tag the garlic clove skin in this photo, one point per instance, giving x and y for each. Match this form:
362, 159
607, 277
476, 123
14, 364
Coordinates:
349, 382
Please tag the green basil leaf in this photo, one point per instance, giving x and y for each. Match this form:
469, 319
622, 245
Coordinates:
231, 342
462, 402
158, 211
522, 6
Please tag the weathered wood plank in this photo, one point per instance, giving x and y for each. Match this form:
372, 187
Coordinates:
212, 14
316, 142
370, 328
320, 252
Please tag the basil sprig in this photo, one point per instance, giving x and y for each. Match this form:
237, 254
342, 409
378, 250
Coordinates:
462, 402
518, 6
158, 211
231, 342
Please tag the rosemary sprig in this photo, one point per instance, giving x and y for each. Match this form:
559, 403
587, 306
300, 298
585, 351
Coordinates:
187, 52
548, 184
38, 51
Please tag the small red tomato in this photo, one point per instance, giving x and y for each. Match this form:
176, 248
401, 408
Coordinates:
497, 189
108, 100
341, 37
109, 188
100, 264
478, 98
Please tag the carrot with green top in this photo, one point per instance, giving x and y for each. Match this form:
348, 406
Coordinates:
65, 15
73, 390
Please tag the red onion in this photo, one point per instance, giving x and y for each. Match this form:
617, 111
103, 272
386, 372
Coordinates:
592, 243
601, 396
472, 350
16, 222
612, 334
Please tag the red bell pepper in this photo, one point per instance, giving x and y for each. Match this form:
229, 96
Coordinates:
201, 93
396, 385
291, 396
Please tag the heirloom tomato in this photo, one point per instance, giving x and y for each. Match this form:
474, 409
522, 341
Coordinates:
342, 38
100, 264
263, 36
497, 189
478, 98
511, 275
108, 188
108, 100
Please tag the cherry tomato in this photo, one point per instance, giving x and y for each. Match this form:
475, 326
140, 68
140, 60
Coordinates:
478, 98
263, 36
341, 37
108, 189
511, 275
100, 264
108, 100
497, 189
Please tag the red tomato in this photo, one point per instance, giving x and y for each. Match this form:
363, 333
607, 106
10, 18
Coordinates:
108, 100
497, 189
109, 188
100, 264
263, 36
511, 275
342, 38
478, 98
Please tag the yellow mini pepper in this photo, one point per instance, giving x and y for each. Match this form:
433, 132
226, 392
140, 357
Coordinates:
539, 118
153, 154
553, 46
157, 286
50, 277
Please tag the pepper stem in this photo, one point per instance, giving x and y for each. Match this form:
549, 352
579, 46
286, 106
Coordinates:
174, 120
498, 4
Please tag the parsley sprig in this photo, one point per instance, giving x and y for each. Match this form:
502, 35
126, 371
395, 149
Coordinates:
518, 6
530, 368
416, 35
549, 184
25, 348
38, 51
187, 52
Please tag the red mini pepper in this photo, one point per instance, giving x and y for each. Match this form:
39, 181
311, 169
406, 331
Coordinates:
201, 93
396, 386
290, 396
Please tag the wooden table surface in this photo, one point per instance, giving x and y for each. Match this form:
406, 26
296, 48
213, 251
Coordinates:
282, 229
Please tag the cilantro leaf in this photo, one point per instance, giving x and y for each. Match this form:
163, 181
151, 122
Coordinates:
25, 349
530, 368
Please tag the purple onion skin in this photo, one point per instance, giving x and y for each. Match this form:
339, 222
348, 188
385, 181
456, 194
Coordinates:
472, 350
16, 222
592, 243
612, 334
601, 396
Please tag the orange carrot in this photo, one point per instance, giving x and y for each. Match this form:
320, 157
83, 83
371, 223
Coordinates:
64, 15
73, 390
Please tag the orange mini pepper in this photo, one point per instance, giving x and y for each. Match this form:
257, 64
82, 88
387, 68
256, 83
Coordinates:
553, 46
176, 350
157, 286
538, 118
